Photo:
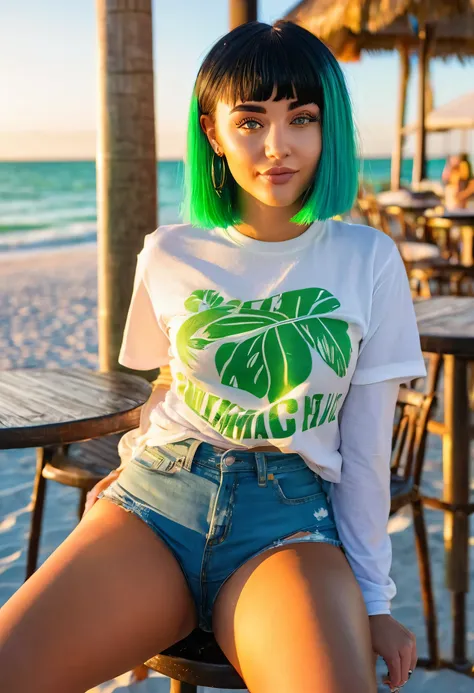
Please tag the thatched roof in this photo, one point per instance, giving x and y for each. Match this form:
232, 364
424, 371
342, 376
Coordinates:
340, 24
458, 114
324, 17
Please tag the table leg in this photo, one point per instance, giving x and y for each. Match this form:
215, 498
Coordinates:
37, 500
466, 248
456, 490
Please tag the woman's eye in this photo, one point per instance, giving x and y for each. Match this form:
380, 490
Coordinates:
304, 119
249, 124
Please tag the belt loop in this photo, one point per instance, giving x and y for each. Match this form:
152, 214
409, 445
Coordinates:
261, 461
188, 461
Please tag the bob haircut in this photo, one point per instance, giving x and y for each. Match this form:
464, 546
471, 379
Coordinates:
247, 65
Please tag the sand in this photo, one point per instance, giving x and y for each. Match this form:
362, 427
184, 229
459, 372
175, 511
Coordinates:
48, 314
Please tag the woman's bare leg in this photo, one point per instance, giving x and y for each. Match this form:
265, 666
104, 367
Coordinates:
293, 619
111, 596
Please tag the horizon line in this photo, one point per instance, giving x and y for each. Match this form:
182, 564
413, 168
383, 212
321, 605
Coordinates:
75, 160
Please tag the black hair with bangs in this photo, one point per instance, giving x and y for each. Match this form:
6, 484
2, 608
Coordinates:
249, 64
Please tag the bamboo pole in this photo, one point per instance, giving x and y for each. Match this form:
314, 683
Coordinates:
419, 161
126, 160
241, 12
397, 153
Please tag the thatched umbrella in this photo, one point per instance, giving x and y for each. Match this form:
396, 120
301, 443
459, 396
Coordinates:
326, 17
431, 27
457, 114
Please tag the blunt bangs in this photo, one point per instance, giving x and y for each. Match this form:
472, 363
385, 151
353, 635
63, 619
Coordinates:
251, 63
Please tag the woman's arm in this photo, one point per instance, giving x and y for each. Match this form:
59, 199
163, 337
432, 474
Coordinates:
467, 192
446, 172
361, 500
361, 508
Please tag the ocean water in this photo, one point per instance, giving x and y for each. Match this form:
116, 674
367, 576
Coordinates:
52, 204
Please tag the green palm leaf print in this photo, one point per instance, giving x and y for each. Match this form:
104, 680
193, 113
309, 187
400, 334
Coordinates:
330, 339
277, 336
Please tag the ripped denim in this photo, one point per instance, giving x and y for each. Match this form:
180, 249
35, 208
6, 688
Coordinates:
215, 509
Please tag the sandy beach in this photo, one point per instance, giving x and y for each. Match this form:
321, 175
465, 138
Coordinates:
48, 316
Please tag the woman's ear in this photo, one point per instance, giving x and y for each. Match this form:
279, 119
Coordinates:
209, 128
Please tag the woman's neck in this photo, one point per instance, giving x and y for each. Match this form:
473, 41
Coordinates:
271, 224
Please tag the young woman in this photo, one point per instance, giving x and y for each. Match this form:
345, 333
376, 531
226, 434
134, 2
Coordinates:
255, 503
459, 186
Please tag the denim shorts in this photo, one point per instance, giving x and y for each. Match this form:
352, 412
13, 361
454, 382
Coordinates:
215, 509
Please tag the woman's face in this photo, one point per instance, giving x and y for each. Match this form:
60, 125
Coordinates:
272, 147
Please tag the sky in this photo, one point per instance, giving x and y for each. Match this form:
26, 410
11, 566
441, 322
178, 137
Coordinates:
48, 78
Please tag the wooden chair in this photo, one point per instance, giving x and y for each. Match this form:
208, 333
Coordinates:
369, 212
444, 233
414, 411
430, 278
197, 660
392, 220
397, 216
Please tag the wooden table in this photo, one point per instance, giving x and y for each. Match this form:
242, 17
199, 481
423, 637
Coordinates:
464, 218
410, 203
45, 408
446, 326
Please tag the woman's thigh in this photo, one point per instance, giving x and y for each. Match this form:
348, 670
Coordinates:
111, 596
293, 619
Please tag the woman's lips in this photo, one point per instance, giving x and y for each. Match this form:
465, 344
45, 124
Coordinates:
278, 178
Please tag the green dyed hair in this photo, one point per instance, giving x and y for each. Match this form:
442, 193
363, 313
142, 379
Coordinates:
248, 64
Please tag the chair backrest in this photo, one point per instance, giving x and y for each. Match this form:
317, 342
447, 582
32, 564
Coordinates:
397, 214
410, 428
438, 223
439, 231
372, 214
429, 279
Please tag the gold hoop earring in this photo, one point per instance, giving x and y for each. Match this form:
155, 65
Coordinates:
218, 185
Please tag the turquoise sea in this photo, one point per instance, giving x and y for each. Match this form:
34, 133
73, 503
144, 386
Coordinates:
51, 204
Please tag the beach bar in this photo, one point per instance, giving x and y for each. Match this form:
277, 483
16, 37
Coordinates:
75, 417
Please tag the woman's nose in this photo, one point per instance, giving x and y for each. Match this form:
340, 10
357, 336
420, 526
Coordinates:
277, 145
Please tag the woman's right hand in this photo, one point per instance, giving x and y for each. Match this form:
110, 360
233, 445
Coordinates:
99, 487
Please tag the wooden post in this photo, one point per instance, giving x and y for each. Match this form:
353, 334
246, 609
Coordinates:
397, 154
456, 476
241, 12
419, 161
126, 160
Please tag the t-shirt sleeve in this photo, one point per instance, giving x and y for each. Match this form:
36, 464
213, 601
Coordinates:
361, 500
145, 345
391, 347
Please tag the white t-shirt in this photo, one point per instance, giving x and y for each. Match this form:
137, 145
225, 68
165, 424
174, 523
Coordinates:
301, 344
264, 338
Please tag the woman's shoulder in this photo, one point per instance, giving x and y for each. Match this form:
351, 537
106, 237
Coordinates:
169, 239
363, 240
164, 233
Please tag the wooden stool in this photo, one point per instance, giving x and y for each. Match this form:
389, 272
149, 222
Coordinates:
196, 661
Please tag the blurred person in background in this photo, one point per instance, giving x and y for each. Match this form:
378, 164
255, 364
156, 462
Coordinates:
459, 184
